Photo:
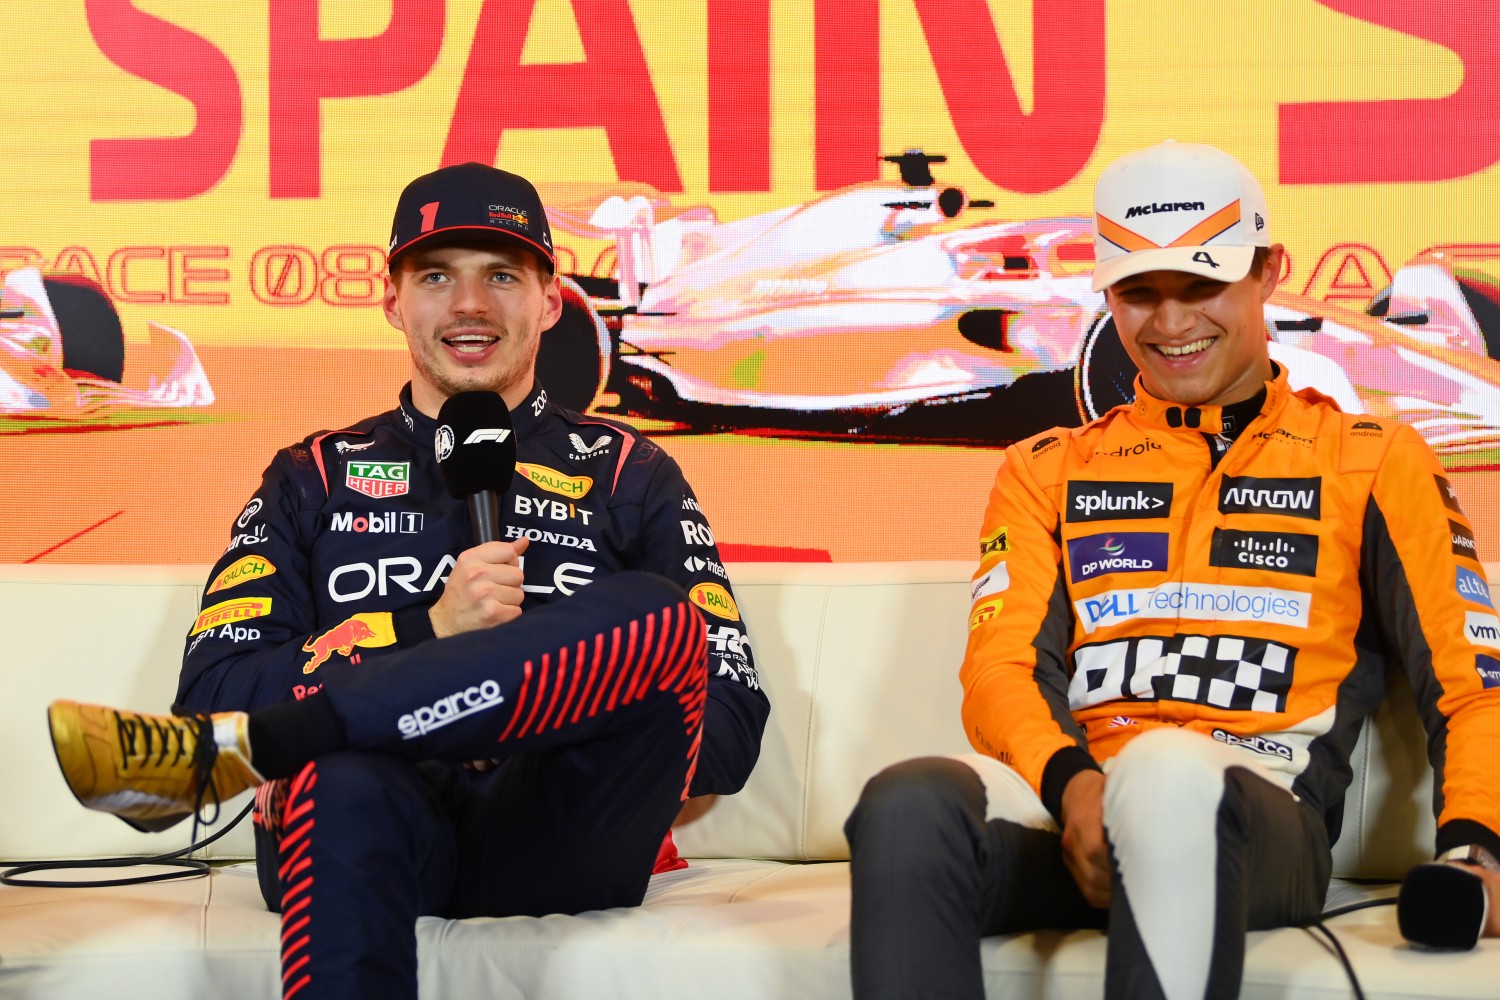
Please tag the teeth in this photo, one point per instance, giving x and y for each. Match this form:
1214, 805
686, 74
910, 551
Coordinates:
1193, 348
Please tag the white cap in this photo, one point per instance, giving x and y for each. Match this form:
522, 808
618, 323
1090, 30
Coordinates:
1177, 206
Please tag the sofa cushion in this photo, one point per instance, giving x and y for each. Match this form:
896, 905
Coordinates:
733, 930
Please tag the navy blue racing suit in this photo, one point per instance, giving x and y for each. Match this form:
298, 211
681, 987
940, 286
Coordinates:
324, 591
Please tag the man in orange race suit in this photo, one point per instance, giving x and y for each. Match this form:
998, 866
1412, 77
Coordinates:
1183, 612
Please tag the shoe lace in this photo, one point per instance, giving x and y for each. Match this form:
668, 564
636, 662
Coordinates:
172, 736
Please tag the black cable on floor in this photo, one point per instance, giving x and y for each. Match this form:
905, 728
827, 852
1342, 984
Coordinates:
187, 867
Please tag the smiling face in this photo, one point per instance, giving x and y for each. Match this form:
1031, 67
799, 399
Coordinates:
1196, 341
473, 318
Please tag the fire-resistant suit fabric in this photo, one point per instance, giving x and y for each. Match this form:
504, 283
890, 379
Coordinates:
588, 701
1235, 602
1127, 581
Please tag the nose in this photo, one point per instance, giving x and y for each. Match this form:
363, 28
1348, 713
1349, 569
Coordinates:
1174, 318
468, 296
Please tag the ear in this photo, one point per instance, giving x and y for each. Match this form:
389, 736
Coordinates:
1271, 276
389, 305
553, 302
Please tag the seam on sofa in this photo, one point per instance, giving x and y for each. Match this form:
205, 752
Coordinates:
734, 897
807, 745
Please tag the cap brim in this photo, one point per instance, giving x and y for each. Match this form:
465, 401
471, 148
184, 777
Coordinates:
1220, 263
461, 235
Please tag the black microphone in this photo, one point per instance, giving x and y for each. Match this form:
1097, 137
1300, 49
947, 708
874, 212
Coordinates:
476, 452
1442, 906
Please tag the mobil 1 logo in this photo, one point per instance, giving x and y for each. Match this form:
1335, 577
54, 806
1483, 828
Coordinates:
1114, 501
1280, 552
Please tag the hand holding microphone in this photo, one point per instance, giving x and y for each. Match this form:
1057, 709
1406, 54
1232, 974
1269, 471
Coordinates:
476, 453
1448, 904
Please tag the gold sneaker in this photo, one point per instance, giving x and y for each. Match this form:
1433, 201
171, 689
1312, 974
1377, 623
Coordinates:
150, 770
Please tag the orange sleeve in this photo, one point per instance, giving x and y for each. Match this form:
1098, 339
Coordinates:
1015, 670
1422, 567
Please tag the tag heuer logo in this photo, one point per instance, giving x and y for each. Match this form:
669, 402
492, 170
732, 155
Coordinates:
378, 479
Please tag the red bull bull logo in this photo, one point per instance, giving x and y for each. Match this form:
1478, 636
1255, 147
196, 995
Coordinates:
366, 629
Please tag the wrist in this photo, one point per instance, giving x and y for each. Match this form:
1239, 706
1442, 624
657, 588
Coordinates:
1473, 855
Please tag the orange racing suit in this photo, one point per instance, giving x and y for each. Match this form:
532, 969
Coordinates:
1127, 580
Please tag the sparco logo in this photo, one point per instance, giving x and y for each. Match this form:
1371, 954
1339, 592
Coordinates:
1293, 497
1111, 501
475, 698
1257, 743
1282, 553
1164, 206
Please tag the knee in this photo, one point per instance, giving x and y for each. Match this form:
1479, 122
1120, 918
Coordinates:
915, 805
1165, 775
354, 787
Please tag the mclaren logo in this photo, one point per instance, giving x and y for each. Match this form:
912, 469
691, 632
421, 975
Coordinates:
1165, 206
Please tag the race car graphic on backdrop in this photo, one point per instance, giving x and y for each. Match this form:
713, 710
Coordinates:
887, 310
65, 356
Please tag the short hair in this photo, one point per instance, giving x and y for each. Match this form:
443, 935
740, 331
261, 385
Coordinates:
1258, 261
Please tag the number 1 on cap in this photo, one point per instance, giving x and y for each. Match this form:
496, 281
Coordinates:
429, 216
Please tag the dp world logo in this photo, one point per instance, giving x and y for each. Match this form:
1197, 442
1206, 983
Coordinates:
443, 442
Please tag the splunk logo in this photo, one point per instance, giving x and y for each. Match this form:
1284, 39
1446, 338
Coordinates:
1118, 501
1489, 670
475, 698
1201, 601
1121, 552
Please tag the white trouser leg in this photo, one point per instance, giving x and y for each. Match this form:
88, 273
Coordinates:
1161, 803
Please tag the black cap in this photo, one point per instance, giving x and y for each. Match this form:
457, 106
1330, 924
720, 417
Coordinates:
471, 202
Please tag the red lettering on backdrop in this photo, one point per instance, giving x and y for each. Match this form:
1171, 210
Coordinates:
1428, 139
611, 89
846, 85
739, 95
169, 167
305, 69
1033, 152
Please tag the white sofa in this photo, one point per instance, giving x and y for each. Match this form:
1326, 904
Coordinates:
860, 661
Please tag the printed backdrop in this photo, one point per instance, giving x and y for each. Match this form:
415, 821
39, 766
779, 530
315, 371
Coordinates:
831, 255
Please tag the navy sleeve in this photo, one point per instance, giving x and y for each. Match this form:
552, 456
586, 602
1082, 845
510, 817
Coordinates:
678, 543
253, 643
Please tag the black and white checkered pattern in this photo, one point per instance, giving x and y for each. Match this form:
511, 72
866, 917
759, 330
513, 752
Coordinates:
1225, 671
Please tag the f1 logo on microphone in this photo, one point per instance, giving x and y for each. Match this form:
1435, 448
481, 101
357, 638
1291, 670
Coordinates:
496, 434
